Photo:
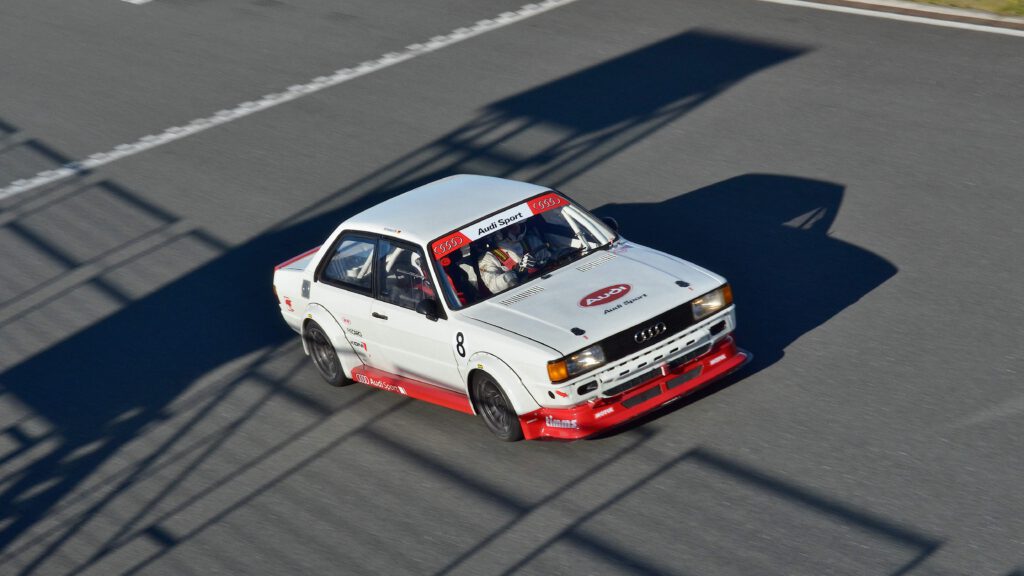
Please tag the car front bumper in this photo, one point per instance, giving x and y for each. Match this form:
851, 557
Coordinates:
595, 416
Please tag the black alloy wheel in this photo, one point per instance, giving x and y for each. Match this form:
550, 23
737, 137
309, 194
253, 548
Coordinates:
495, 409
325, 358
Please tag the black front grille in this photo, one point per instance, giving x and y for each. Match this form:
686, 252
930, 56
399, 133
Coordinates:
655, 372
633, 382
641, 397
700, 351
684, 377
624, 343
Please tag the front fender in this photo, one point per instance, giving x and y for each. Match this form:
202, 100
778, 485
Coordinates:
521, 400
339, 340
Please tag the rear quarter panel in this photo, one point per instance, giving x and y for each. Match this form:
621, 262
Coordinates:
289, 277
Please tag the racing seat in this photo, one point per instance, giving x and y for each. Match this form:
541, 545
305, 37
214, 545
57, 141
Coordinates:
396, 283
405, 282
475, 252
465, 288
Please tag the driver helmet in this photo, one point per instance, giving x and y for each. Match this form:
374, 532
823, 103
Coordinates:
511, 233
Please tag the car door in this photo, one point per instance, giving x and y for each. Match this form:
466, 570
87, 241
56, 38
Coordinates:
343, 284
418, 345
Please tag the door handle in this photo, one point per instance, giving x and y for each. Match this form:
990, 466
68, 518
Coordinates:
379, 315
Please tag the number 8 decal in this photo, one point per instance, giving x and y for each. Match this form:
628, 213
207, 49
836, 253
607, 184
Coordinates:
460, 340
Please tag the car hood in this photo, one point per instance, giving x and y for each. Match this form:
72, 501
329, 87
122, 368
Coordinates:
596, 296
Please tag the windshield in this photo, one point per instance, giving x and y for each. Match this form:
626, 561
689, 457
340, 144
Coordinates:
514, 246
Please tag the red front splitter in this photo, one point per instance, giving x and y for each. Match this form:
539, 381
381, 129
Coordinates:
592, 417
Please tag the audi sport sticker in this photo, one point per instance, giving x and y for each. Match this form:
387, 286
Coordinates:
448, 244
546, 202
625, 302
500, 220
605, 295
382, 384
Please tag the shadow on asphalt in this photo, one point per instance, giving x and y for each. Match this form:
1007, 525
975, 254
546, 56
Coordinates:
99, 388
768, 234
903, 549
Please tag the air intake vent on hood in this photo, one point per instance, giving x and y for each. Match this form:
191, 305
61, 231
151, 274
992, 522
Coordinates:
596, 261
522, 295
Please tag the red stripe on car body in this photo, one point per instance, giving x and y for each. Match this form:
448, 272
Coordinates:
296, 258
412, 388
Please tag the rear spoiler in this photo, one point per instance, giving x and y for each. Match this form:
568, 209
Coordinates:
295, 259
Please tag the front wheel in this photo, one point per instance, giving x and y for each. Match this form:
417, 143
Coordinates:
325, 358
495, 409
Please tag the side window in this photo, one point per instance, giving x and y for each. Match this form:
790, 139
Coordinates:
402, 274
351, 265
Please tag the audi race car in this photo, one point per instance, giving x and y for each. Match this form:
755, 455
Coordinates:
509, 301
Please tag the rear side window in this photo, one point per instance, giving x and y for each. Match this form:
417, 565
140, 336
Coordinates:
351, 264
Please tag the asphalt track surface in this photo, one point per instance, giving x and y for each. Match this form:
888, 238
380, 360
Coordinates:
858, 180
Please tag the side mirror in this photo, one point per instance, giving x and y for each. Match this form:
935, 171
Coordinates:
611, 223
430, 308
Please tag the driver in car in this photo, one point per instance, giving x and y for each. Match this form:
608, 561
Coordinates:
512, 253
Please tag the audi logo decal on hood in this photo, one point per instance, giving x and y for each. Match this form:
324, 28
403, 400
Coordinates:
605, 295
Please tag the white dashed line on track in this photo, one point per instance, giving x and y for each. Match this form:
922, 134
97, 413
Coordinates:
270, 100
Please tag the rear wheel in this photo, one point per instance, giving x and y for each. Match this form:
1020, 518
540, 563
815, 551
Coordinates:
325, 358
495, 409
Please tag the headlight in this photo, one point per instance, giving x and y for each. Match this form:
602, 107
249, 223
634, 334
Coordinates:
575, 364
715, 301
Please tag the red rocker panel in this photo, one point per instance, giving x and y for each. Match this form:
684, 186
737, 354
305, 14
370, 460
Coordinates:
412, 388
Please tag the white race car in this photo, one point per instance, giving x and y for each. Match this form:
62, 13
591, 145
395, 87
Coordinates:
510, 301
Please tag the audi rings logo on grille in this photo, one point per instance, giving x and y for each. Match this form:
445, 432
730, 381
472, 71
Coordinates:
650, 333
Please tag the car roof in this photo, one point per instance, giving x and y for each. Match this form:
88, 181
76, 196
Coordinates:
435, 209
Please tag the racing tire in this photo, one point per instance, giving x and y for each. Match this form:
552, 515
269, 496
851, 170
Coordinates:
495, 409
324, 356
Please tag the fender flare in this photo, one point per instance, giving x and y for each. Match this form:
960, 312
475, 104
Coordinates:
521, 399
339, 340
